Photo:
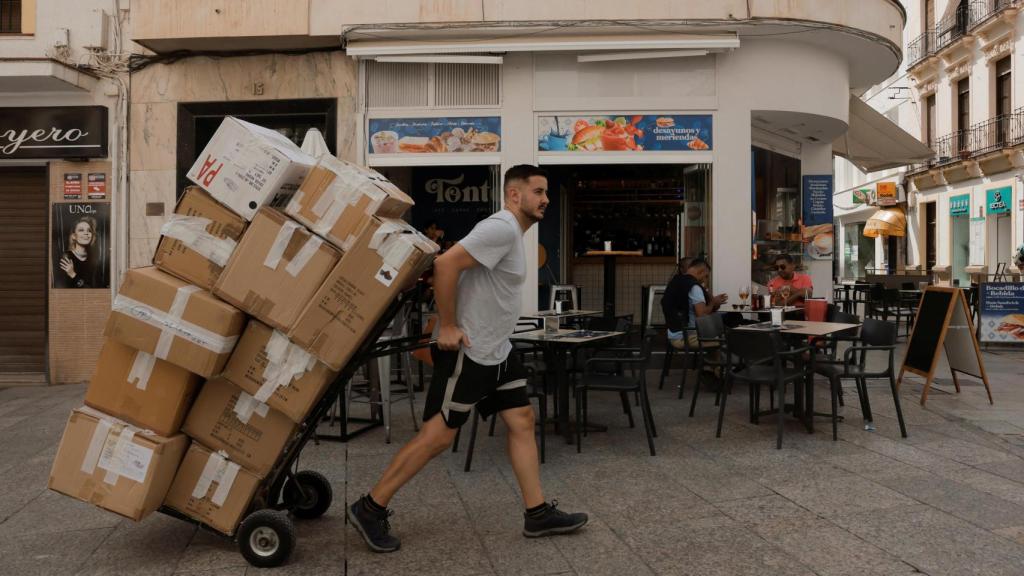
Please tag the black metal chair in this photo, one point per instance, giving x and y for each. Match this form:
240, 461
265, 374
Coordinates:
596, 378
711, 338
875, 336
894, 305
874, 304
764, 359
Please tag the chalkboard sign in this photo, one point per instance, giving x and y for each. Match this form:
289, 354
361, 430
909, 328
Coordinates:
929, 328
943, 320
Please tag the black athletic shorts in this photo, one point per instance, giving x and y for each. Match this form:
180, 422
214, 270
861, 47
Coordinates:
459, 384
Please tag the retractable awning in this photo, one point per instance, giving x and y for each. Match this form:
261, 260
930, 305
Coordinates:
873, 142
540, 43
886, 222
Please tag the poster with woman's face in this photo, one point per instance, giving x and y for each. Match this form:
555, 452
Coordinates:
81, 245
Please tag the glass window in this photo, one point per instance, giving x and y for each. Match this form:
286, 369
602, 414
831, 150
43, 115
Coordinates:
859, 252
10, 16
961, 249
963, 112
776, 212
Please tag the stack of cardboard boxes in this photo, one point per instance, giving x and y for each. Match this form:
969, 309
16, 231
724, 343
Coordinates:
267, 278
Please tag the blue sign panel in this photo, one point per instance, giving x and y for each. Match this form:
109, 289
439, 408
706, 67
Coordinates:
998, 200
1001, 316
817, 199
960, 205
434, 135
625, 133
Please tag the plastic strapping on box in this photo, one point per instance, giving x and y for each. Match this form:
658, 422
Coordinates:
246, 405
295, 204
285, 362
142, 369
305, 254
284, 236
224, 484
175, 326
123, 440
191, 230
99, 437
163, 346
104, 426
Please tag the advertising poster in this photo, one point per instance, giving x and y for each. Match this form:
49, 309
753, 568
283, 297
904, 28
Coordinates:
72, 186
624, 133
452, 198
862, 196
434, 135
81, 245
818, 233
1001, 315
885, 193
97, 186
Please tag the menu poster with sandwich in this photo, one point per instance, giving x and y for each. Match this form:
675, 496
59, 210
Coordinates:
625, 133
1001, 315
818, 233
434, 135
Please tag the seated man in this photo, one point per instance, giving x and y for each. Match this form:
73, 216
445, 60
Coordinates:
800, 286
684, 300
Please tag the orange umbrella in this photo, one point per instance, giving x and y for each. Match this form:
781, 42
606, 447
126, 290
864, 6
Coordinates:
886, 222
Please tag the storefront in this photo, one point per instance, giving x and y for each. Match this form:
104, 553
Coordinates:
58, 233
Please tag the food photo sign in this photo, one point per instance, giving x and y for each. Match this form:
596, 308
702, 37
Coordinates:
625, 133
818, 233
434, 135
1001, 314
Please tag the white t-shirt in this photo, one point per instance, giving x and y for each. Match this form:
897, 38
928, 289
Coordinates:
489, 295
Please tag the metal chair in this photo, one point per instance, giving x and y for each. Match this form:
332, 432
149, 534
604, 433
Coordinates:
894, 305
596, 380
566, 293
763, 355
711, 339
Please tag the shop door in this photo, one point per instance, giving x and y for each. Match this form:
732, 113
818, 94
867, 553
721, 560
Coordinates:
961, 249
23, 269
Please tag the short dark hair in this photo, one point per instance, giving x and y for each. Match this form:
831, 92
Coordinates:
698, 262
523, 172
785, 257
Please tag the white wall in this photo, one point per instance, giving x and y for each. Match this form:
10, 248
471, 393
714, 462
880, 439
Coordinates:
81, 17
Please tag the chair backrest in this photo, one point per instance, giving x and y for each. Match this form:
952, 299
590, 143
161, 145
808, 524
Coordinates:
816, 310
752, 346
891, 296
710, 326
652, 315
845, 318
907, 286
567, 293
876, 293
878, 332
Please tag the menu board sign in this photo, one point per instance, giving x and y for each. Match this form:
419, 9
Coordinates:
818, 235
434, 135
1001, 315
625, 133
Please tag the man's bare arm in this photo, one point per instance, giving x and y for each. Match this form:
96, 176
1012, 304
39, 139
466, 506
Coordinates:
447, 269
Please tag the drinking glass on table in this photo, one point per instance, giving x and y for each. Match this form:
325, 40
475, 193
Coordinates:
744, 292
784, 292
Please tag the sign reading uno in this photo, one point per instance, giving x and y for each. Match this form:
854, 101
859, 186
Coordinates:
53, 132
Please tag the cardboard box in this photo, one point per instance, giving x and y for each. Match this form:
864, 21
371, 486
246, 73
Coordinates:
275, 371
246, 166
387, 257
198, 239
141, 389
336, 198
174, 321
276, 269
226, 418
105, 461
212, 489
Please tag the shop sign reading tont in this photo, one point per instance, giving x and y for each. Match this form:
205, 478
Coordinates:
997, 200
1001, 316
818, 235
624, 133
434, 135
53, 132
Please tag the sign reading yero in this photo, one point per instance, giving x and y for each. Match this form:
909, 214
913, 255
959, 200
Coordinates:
53, 132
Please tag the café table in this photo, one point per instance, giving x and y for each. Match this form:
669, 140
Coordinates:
557, 345
749, 312
804, 329
609, 274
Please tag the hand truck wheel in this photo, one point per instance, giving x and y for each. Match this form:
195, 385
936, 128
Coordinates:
307, 495
266, 538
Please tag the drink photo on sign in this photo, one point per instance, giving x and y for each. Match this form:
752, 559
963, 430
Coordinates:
81, 245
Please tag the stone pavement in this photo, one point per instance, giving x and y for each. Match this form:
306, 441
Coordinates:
948, 500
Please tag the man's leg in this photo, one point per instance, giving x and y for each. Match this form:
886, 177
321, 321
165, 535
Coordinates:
522, 453
433, 438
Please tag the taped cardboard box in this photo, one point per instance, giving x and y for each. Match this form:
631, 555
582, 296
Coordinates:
141, 389
159, 314
198, 239
224, 417
273, 370
276, 269
118, 467
212, 489
388, 256
337, 196
246, 166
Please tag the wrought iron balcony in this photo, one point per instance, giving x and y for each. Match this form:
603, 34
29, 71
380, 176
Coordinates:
920, 48
984, 10
955, 25
1005, 131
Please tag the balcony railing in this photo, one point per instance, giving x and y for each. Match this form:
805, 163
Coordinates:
1003, 131
953, 27
984, 10
921, 47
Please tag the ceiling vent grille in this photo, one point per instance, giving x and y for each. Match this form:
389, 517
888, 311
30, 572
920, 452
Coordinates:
408, 85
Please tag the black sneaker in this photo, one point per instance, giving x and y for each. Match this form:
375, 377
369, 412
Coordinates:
553, 521
373, 526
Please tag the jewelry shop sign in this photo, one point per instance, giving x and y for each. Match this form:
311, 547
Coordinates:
53, 132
